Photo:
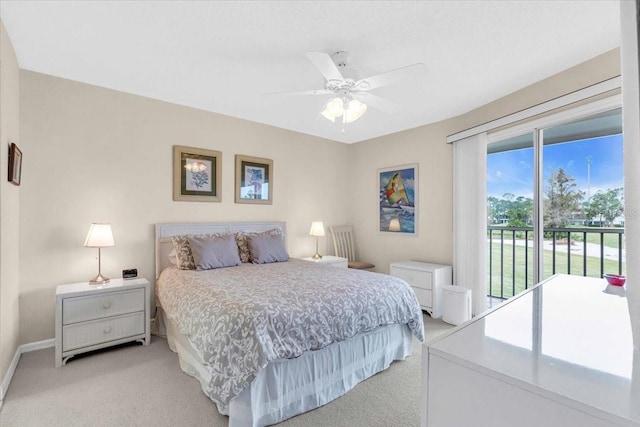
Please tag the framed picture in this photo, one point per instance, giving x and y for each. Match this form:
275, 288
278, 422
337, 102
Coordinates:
254, 180
15, 164
398, 203
196, 174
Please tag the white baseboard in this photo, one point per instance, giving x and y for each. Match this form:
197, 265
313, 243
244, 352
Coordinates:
24, 348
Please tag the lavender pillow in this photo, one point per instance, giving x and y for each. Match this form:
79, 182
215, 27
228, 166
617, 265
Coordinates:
242, 238
266, 248
211, 252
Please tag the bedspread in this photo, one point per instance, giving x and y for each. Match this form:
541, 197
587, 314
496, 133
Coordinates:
241, 318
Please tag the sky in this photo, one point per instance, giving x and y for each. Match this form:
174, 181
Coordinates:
512, 171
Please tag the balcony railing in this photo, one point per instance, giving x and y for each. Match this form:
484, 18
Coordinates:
579, 251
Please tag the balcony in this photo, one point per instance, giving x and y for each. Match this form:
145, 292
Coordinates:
586, 251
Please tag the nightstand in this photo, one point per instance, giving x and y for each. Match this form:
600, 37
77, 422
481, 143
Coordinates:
89, 317
427, 281
333, 261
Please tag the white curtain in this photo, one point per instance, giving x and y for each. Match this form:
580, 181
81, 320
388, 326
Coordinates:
470, 217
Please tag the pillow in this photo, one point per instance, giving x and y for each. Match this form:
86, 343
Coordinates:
173, 257
183, 250
183, 253
214, 252
242, 239
266, 248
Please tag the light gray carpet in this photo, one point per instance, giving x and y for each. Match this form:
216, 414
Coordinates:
135, 385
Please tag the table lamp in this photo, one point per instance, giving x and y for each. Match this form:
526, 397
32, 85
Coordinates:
99, 236
317, 230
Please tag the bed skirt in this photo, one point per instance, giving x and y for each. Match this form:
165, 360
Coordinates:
288, 387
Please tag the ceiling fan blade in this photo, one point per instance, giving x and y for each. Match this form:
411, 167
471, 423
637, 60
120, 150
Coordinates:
390, 77
325, 65
301, 92
378, 102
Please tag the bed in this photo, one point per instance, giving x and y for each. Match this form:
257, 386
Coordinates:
270, 341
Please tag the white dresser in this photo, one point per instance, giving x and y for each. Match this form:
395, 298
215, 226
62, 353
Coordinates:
333, 261
560, 354
427, 280
90, 317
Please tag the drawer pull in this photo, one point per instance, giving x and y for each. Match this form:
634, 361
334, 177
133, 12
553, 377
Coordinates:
107, 330
106, 305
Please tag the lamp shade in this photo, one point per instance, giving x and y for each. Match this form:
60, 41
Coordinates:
317, 229
99, 236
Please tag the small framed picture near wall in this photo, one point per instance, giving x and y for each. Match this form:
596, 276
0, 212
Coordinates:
254, 180
15, 164
196, 174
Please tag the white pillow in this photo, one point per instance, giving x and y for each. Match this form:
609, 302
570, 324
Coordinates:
173, 257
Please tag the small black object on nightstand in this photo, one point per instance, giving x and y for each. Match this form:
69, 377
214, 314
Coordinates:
132, 273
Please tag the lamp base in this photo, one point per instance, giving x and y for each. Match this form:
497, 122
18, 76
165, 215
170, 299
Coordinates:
317, 256
99, 280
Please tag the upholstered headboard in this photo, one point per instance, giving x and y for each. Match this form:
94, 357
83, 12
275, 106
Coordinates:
164, 232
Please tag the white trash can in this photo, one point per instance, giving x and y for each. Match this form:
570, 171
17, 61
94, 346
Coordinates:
456, 304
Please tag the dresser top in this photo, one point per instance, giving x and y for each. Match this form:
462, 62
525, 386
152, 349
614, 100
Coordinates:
565, 339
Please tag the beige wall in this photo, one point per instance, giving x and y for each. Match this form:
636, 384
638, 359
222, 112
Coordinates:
427, 146
9, 203
102, 155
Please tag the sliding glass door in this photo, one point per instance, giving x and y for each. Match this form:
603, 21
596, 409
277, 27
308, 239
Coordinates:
555, 203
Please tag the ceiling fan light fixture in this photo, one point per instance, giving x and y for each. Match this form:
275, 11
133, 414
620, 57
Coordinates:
354, 111
335, 108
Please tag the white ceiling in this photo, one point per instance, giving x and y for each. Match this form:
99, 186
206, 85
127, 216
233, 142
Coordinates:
223, 56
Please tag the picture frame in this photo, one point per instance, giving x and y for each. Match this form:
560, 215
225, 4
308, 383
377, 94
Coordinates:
15, 164
254, 180
398, 200
197, 174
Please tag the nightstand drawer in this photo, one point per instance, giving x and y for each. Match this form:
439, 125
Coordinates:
99, 331
91, 307
417, 279
425, 297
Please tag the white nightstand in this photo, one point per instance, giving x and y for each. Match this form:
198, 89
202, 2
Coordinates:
333, 261
427, 280
89, 317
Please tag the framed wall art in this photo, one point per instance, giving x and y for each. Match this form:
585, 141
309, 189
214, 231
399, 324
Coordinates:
254, 180
15, 164
398, 201
196, 174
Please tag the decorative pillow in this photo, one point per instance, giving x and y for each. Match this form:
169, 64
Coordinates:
173, 257
183, 250
266, 248
214, 252
183, 253
242, 239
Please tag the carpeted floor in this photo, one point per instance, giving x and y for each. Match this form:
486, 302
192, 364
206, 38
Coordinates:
134, 385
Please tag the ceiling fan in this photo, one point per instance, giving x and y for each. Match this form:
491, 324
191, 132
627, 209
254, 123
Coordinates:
352, 96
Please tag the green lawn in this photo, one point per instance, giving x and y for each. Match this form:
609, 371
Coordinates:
512, 287
610, 240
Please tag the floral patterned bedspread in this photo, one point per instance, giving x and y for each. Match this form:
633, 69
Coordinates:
242, 317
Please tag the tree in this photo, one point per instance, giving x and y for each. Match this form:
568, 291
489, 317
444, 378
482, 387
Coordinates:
515, 211
492, 204
520, 212
498, 208
563, 198
605, 206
